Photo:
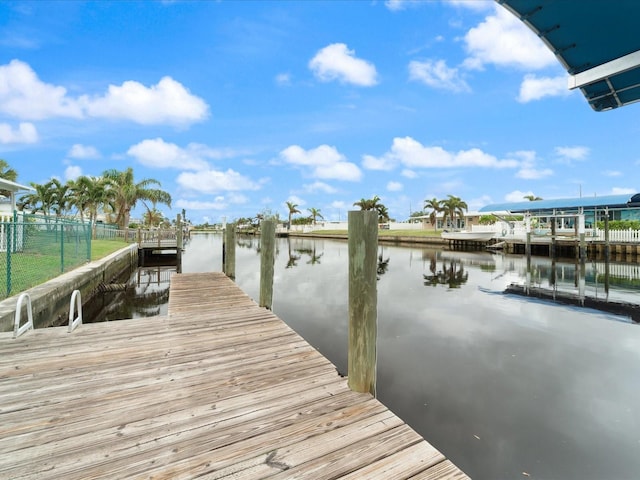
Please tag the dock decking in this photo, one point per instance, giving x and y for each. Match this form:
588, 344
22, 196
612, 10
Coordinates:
219, 388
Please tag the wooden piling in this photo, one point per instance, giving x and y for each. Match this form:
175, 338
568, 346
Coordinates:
363, 298
179, 243
230, 251
267, 259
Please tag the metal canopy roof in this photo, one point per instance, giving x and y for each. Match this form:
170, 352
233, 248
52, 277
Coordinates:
596, 41
612, 201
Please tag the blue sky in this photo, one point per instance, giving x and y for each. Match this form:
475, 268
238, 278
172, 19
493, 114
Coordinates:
239, 106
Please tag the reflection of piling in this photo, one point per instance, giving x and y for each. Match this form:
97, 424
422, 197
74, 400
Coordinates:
363, 297
267, 258
229, 265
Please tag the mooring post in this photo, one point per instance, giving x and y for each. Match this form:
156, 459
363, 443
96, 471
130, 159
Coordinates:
363, 300
552, 247
267, 259
230, 251
179, 243
606, 234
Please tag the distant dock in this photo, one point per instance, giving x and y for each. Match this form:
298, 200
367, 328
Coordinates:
219, 388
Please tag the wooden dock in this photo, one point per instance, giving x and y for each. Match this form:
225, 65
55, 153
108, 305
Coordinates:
219, 388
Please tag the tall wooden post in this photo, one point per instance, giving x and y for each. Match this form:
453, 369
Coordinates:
363, 300
179, 243
230, 251
552, 248
607, 245
267, 259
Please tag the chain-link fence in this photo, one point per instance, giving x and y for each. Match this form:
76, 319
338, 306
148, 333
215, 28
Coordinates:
36, 248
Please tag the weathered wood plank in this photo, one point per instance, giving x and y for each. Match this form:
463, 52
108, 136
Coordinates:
218, 388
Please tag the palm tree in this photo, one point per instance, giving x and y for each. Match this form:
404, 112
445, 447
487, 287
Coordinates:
374, 204
453, 207
7, 172
60, 196
315, 214
126, 193
436, 207
293, 208
532, 198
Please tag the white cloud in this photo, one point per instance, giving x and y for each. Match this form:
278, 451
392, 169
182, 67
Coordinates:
23, 95
296, 201
502, 39
572, 153
517, 196
612, 173
529, 172
283, 79
159, 154
378, 163
528, 165
477, 5
324, 162
394, 186
413, 154
408, 173
337, 62
72, 172
218, 204
535, 88
316, 187
436, 74
215, 181
623, 191
338, 204
83, 152
25, 133
167, 102
397, 5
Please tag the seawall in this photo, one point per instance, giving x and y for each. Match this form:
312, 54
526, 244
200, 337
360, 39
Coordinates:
50, 300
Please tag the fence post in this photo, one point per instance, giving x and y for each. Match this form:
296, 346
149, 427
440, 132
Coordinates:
363, 298
61, 247
9, 225
230, 251
606, 233
267, 254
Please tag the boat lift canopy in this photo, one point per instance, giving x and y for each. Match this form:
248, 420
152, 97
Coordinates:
595, 40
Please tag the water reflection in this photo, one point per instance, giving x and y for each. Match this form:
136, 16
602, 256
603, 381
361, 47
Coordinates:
501, 383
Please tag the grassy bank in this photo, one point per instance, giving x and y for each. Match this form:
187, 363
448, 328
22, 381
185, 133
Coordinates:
31, 269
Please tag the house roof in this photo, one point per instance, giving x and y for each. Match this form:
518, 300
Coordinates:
612, 201
12, 186
596, 41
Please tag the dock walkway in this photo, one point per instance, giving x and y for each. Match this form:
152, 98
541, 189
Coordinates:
219, 388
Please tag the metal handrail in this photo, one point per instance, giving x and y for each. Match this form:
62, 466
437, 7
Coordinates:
73, 323
17, 329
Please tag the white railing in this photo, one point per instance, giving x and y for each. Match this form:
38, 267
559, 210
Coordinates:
17, 329
519, 231
76, 301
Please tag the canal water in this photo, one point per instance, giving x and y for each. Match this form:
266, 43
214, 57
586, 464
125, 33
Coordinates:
494, 361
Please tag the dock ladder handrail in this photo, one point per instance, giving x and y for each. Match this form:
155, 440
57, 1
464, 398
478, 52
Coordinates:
73, 323
17, 329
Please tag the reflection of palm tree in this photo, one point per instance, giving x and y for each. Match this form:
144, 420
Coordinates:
452, 275
383, 264
292, 258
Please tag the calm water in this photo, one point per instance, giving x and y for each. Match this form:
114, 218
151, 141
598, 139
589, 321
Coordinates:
506, 385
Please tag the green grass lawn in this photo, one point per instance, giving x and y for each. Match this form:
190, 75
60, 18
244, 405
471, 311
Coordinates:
32, 268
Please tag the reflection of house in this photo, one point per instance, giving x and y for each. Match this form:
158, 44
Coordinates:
620, 207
